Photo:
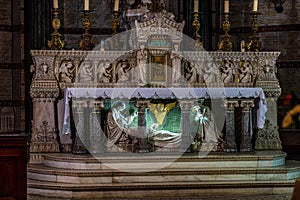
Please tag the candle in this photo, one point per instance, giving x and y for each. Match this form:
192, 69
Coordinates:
226, 6
116, 7
196, 5
55, 4
86, 4
255, 5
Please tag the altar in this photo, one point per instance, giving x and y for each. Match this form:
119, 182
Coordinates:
156, 90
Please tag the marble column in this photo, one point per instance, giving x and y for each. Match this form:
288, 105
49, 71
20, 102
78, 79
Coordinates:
44, 92
230, 136
80, 127
247, 131
44, 131
143, 145
96, 134
186, 138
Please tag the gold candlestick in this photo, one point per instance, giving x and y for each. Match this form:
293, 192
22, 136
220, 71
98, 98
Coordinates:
225, 44
196, 27
56, 43
254, 44
87, 43
116, 23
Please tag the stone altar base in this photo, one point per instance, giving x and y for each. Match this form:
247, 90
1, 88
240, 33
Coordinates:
165, 175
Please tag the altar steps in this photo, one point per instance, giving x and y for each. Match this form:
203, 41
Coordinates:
83, 177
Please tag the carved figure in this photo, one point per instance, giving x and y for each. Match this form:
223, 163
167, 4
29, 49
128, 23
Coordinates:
191, 74
243, 46
204, 127
210, 74
142, 56
123, 69
117, 126
66, 72
104, 74
227, 73
86, 72
245, 73
176, 67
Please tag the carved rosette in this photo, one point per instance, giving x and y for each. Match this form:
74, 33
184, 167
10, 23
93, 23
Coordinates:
268, 137
44, 139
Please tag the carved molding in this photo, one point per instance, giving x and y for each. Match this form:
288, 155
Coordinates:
44, 139
268, 137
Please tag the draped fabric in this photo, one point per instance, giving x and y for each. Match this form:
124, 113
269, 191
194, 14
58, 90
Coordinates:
164, 93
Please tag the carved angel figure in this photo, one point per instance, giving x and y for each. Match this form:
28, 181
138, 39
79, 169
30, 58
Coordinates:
227, 73
123, 69
104, 73
210, 73
246, 73
86, 72
191, 73
66, 72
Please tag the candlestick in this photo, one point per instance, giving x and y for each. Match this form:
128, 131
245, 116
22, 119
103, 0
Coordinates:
254, 44
226, 6
116, 6
116, 22
196, 27
196, 5
87, 43
225, 44
56, 43
55, 4
86, 5
255, 5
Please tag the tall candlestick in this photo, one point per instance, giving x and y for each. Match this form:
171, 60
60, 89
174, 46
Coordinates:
255, 5
86, 4
196, 5
116, 7
226, 6
55, 4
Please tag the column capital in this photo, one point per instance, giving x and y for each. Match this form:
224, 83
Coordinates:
230, 104
185, 105
96, 104
142, 104
247, 104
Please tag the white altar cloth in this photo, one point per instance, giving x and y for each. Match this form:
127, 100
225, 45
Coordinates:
164, 93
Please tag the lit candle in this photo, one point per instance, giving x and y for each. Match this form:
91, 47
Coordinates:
196, 5
226, 6
116, 7
86, 4
55, 4
255, 5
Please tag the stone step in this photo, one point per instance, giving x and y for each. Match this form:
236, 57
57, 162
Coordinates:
154, 161
45, 173
148, 190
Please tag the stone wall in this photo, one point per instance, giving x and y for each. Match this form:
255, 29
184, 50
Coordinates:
11, 66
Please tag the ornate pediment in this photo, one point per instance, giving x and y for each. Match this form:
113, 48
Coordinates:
159, 30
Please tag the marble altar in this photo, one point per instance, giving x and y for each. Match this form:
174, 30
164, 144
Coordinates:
160, 60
